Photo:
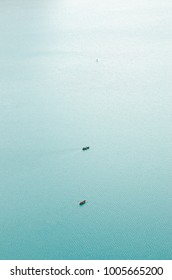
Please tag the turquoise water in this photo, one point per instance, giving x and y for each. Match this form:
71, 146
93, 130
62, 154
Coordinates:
56, 98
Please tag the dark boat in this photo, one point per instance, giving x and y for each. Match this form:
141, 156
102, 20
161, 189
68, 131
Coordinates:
82, 202
85, 148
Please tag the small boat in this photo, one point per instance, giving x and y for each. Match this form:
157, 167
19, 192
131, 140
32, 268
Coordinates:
85, 148
82, 202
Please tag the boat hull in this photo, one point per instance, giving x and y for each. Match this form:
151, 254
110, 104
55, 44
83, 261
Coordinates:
82, 202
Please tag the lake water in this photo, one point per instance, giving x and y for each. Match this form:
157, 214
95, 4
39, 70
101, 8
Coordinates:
75, 73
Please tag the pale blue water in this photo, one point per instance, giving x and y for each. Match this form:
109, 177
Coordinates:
55, 98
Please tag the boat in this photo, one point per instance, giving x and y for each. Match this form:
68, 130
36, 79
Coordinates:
82, 202
85, 148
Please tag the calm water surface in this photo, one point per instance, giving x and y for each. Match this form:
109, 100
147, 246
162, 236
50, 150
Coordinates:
56, 98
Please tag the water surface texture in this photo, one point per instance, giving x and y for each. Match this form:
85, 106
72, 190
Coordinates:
85, 73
